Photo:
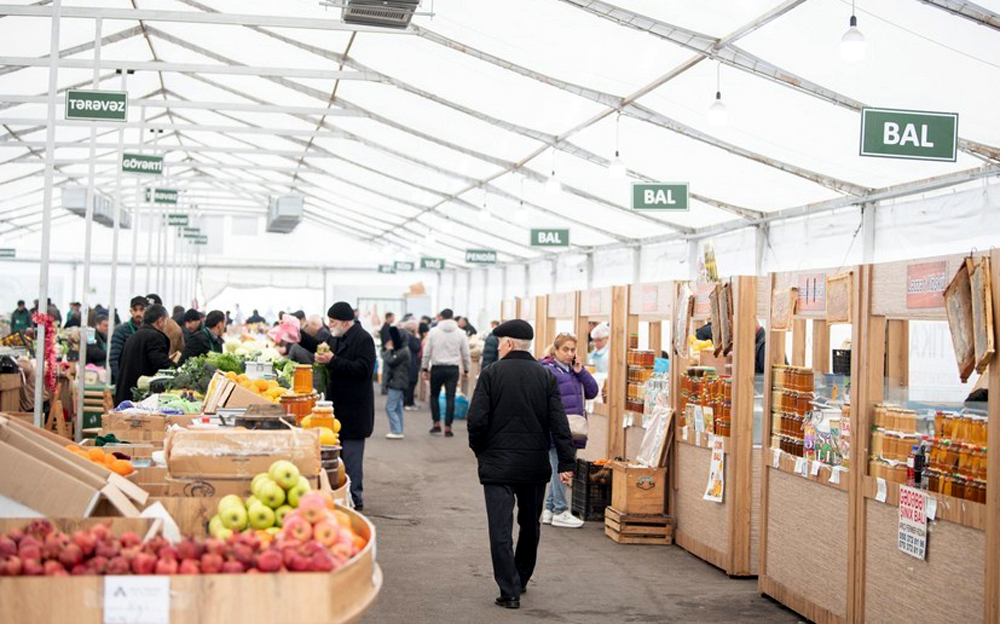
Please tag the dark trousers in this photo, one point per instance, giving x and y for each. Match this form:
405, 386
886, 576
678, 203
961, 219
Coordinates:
352, 453
512, 568
446, 376
408, 393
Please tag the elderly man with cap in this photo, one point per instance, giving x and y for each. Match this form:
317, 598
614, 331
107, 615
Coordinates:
351, 364
516, 412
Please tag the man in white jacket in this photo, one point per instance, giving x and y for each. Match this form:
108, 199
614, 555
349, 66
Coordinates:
447, 349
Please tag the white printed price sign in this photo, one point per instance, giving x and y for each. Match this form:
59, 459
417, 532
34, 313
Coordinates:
912, 538
137, 600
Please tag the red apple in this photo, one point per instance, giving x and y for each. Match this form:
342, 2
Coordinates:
298, 528
40, 528
168, 552
211, 563
253, 571
188, 549
71, 556
8, 547
269, 561
10, 566
143, 563
79, 570
189, 566
325, 532
106, 549
129, 539
54, 545
322, 561
216, 547
243, 554
117, 566
233, 567
16, 535
312, 511
86, 541
98, 564
342, 550
53, 567
166, 566
100, 532
301, 563
32, 567
29, 548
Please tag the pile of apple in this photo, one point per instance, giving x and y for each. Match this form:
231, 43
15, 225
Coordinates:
275, 493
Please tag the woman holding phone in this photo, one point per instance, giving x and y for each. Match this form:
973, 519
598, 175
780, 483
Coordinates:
576, 385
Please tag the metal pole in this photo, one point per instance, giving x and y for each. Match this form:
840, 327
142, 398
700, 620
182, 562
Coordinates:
43, 274
135, 214
117, 220
91, 198
322, 303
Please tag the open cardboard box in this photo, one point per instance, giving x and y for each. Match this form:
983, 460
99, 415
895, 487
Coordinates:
227, 453
38, 472
142, 427
226, 393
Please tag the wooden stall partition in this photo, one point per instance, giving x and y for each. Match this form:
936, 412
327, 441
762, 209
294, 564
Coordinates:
509, 310
724, 534
805, 506
594, 306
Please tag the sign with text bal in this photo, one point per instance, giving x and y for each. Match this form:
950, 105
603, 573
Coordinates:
914, 135
434, 264
480, 256
97, 105
386, 268
141, 163
549, 238
403, 265
911, 537
667, 196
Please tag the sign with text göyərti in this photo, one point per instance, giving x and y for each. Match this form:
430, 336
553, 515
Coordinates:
99, 105
549, 238
141, 163
664, 196
435, 264
480, 256
915, 135
162, 196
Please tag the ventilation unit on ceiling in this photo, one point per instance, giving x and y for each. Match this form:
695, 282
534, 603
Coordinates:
284, 213
74, 199
383, 13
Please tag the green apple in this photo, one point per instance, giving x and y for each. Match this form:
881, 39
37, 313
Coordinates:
284, 473
279, 513
250, 501
273, 530
214, 524
258, 477
260, 516
234, 517
229, 500
224, 534
255, 487
271, 494
296, 492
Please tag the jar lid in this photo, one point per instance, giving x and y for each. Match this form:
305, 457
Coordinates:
324, 404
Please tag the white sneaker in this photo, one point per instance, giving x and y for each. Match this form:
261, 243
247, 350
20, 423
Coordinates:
546, 516
394, 436
566, 520
410, 408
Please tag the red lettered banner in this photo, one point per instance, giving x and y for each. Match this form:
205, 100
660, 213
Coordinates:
925, 284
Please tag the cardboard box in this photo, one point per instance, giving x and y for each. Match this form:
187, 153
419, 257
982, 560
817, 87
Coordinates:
197, 487
10, 392
228, 453
226, 393
638, 490
142, 427
138, 452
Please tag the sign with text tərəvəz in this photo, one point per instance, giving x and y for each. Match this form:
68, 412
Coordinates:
141, 163
914, 135
97, 105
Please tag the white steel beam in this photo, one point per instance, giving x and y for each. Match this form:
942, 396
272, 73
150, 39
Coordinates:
332, 111
970, 11
38, 124
128, 33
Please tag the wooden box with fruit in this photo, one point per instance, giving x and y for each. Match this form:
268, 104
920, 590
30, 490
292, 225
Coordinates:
286, 554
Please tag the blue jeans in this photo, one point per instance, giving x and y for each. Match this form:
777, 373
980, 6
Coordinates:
394, 409
555, 500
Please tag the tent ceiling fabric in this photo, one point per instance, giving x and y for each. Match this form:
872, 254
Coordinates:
393, 137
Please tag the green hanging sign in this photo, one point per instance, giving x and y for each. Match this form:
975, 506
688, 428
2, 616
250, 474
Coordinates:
480, 256
141, 163
549, 238
7, 252
177, 220
162, 196
97, 105
386, 268
433, 264
670, 196
403, 266
912, 135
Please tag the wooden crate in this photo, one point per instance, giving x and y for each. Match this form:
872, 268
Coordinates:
638, 490
638, 528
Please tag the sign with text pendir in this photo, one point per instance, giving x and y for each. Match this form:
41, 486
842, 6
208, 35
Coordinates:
141, 163
434, 264
549, 238
480, 256
97, 105
661, 196
913, 135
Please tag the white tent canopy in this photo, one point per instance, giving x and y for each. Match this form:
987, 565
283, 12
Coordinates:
441, 138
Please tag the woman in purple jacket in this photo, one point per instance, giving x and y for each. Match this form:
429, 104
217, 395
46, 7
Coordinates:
576, 385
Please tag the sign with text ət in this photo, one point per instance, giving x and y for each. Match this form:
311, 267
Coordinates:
97, 105
435, 264
386, 268
549, 238
914, 135
480, 256
141, 163
665, 196
401, 265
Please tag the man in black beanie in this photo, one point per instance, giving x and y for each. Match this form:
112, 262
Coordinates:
351, 364
515, 413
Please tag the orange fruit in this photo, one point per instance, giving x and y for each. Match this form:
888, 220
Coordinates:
231, 375
342, 518
122, 467
359, 542
72, 447
96, 454
261, 384
82, 454
110, 459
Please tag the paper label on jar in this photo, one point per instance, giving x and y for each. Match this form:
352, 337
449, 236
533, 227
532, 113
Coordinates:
835, 475
776, 460
800, 465
684, 433
815, 468
931, 508
882, 490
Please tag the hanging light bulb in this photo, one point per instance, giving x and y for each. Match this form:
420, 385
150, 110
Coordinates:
552, 185
617, 167
717, 113
484, 215
447, 226
852, 44
521, 214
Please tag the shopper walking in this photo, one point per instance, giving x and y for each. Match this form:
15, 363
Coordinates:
137, 307
446, 349
383, 338
350, 365
397, 372
576, 385
490, 353
145, 352
97, 353
20, 318
516, 414
410, 336
74, 315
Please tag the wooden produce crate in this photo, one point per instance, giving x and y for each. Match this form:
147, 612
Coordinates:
638, 528
638, 490
10, 392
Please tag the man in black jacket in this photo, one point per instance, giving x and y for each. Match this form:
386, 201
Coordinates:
137, 308
202, 337
515, 413
351, 364
146, 351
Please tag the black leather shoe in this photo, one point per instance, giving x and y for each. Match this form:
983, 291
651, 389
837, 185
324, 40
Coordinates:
436, 429
508, 603
448, 433
524, 590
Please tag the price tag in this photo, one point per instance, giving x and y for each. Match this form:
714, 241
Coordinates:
835, 474
882, 490
776, 461
137, 600
684, 433
815, 469
931, 508
800, 466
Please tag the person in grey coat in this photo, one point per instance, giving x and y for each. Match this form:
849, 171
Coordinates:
396, 357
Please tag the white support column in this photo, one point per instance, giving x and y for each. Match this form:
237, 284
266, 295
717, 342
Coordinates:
555, 275
527, 280
135, 214
117, 226
868, 233
326, 290
693, 260
87, 245
761, 234
503, 287
439, 283
50, 140
468, 293
590, 269
637, 264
